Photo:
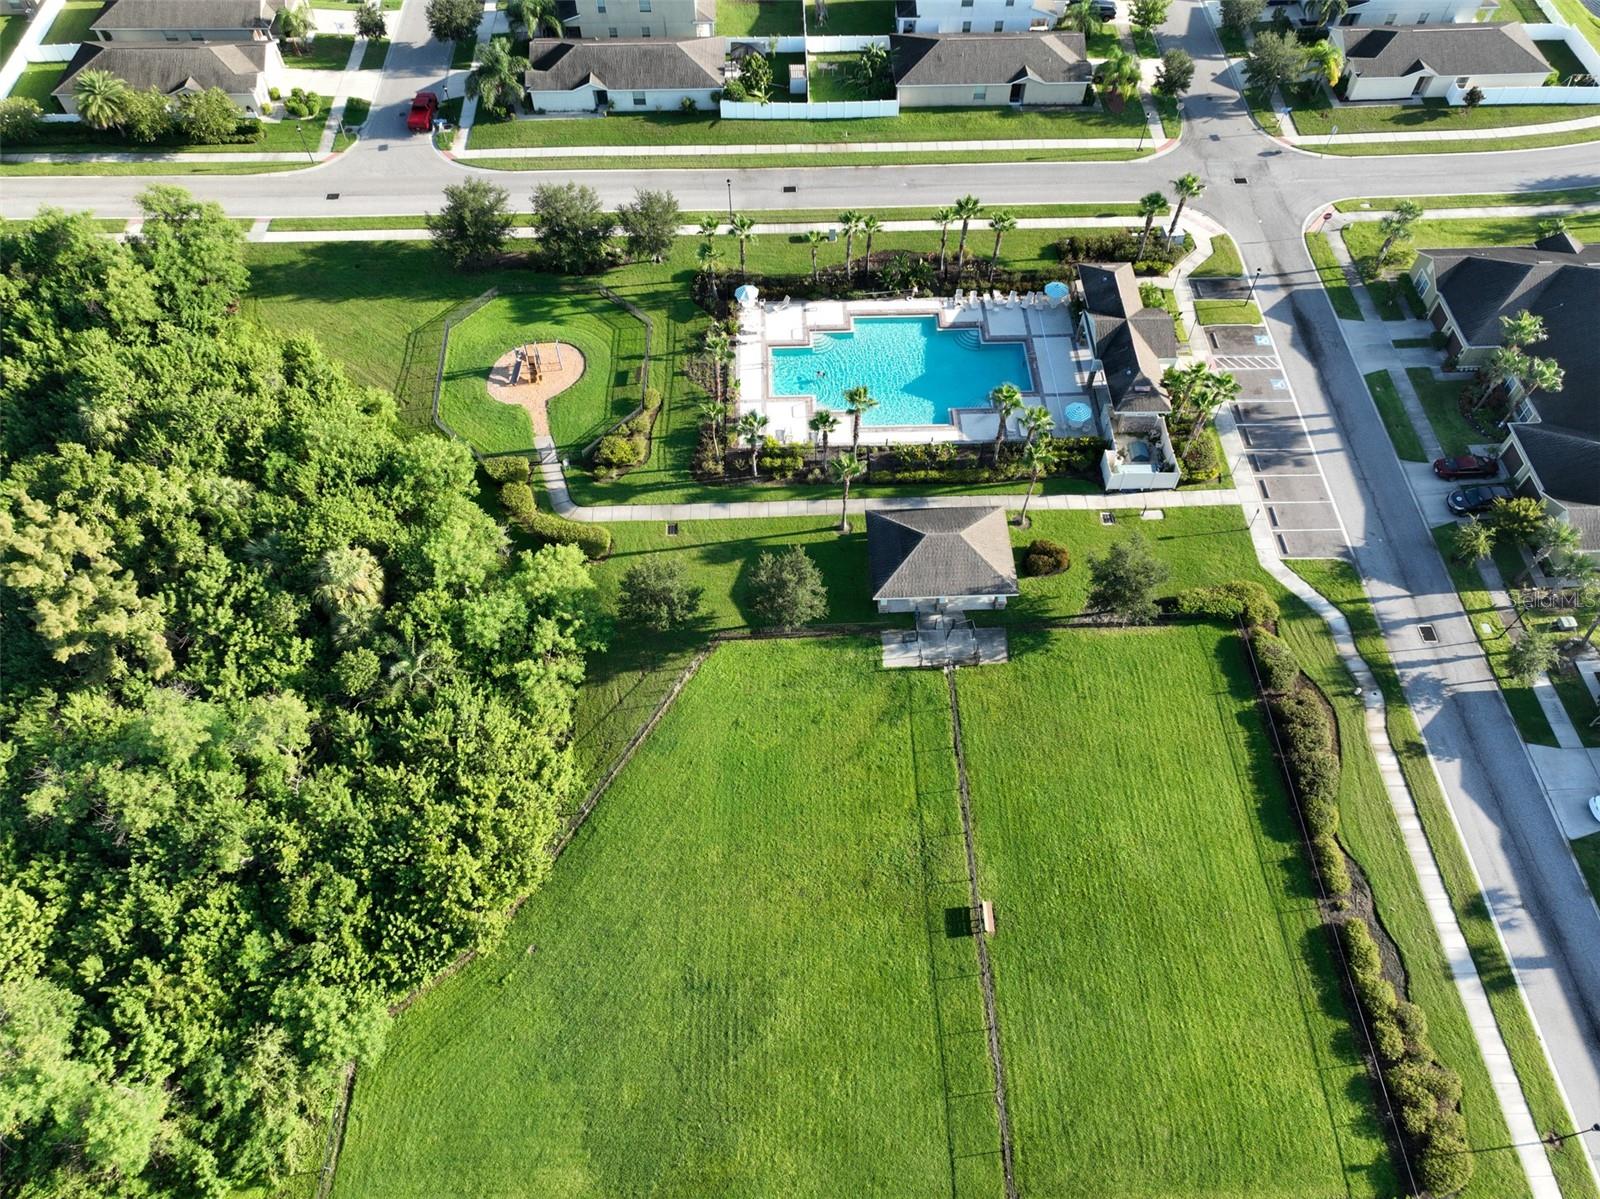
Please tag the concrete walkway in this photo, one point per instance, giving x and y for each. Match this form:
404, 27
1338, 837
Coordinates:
787, 149
1502, 1075
1312, 141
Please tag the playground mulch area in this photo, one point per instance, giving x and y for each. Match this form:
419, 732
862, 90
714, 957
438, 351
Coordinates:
531, 375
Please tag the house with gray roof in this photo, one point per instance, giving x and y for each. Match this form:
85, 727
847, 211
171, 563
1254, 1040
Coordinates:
147, 21
989, 69
976, 16
667, 19
630, 74
1552, 446
244, 70
940, 559
1399, 62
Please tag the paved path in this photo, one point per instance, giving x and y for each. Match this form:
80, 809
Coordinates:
791, 149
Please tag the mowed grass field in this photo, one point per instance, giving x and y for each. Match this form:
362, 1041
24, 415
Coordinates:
724, 989
1168, 1010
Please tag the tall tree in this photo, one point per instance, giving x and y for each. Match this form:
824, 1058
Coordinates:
742, 228
1037, 424
1188, 187
967, 210
1145, 15
1007, 400
824, 423
537, 18
1325, 60
846, 469
370, 22
1123, 581
1040, 460
1081, 16
101, 98
860, 402
850, 222
944, 218
815, 239
472, 227
1002, 222
294, 24
871, 226
752, 428
649, 223
573, 228
1396, 226
1522, 329
1175, 75
496, 77
1151, 205
1274, 59
453, 20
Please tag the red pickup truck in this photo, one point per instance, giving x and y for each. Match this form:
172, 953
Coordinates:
423, 107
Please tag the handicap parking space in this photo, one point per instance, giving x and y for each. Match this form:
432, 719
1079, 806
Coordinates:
1262, 385
1240, 341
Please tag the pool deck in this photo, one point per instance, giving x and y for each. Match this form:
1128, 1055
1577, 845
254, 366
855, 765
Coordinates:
1044, 330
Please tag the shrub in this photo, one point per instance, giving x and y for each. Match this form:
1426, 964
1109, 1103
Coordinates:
1045, 557
1238, 599
548, 529
517, 500
1386, 1039
786, 589
356, 671
508, 468
687, 104
1414, 1024
1201, 460
1316, 777
780, 461
20, 119
1330, 864
1445, 1166
1360, 950
616, 451
656, 596
1280, 672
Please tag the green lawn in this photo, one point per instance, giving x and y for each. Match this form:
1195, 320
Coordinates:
325, 52
356, 111
1561, 59
377, 50
1441, 401
1363, 238
612, 343
461, 54
38, 80
1368, 828
708, 129
1581, 19
1489, 145
1407, 444
280, 136
849, 17
1224, 261
1564, 195
708, 1011
841, 158
12, 27
1227, 312
758, 18
1167, 1004
1524, 704
72, 24
1587, 851
828, 78
1344, 301
1319, 119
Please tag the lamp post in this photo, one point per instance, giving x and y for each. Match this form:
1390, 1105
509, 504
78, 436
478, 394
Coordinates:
1253, 279
1555, 1138
730, 199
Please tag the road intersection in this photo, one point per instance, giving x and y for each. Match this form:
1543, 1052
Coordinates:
1265, 193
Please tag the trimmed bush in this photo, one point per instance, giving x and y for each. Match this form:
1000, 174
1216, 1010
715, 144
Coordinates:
1045, 557
1331, 865
616, 451
1386, 1038
518, 502
1414, 1024
1239, 599
508, 468
1280, 672
1445, 1166
1201, 460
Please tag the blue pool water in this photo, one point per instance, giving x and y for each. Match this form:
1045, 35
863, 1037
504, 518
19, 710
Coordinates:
916, 371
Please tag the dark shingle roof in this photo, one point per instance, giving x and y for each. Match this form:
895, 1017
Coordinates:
1566, 460
1130, 339
1557, 278
984, 58
1393, 51
186, 14
627, 64
925, 553
235, 67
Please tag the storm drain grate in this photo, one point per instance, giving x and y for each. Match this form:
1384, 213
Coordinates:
672, 529
333, 195
1108, 518
1240, 179
1429, 634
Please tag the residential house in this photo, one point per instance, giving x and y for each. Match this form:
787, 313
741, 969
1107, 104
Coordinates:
1133, 345
633, 75
989, 69
976, 16
938, 560
1395, 12
145, 21
244, 70
1552, 446
1403, 61
594, 19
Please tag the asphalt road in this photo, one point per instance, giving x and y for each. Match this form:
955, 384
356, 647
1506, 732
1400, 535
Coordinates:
1264, 193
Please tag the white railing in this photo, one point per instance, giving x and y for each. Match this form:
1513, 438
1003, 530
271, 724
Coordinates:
791, 44
818, 43
56, 52
825, 110
1582, 49
1528, 95
28, 44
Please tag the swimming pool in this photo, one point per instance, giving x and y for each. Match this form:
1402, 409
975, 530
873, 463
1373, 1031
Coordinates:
915, 370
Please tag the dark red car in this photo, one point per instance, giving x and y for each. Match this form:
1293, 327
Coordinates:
1468, 466
423, 106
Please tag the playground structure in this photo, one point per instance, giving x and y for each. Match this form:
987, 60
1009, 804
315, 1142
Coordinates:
532, 374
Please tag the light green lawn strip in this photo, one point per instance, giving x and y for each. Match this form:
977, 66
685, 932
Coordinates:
851, 17
707, 1010
1532, 724
1441, 401
37, 82
1139, 930
1339, 583
72, 23
1587, 851
758, 18
377, 50
1539, 141
1385, 299
1521, 10
1227, 312
808, 161
325, 52
12, 27
1364, 238
1224, 262
1431, 116
356, 111
1565, 195
1581, 19
1344, 302
1171, 117
1407, 443
708, 129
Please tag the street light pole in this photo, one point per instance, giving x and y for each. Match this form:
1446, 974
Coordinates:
730, 199
1253, 279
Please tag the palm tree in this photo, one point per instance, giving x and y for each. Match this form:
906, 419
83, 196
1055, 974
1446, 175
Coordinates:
870, 224
846, 468
1551, 226
496, 80
718, 348
850, 222
1544, 374
415, 669
1326, 59
752, 428
1037, 422
1002, 222
1397, 225
1151, 205
1007, 398
1119, 74
1328, 12
710, 259
1522, 329
1216, 391
943, 218
535, 17
1082, 16
101, 97
967, 210
1473, 541
1557, 539
294, 22
823, 422
1038, 459
859, 402
708, 228
712, 411
1188, 188
1506, 365
348, 581
814, 239
742, 229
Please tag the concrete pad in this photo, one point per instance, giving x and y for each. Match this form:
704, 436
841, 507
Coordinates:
1291, 488
1310, 545
1256, 412
1303, 516
1282, 462
1239, 340
1570, 778
1262, 385
1281, 436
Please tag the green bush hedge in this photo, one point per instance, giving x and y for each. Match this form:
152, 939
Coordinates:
1280, 673
1045, 557
1239, 599
508, 468
518, 502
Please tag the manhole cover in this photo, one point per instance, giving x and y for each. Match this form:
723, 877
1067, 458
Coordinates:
1429, 634
333, 195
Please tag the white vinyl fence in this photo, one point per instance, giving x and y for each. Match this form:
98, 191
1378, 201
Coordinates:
827, 110
28, 48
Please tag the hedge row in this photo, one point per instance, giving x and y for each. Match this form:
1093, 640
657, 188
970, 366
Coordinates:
1425, 1093
1239, 599
518, 502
